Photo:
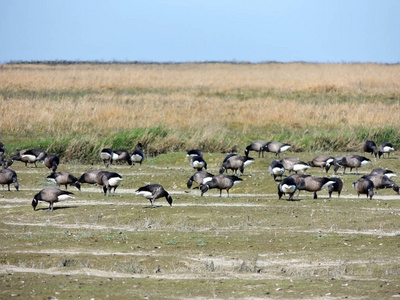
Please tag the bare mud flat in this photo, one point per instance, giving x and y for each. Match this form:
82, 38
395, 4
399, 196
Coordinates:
248, 246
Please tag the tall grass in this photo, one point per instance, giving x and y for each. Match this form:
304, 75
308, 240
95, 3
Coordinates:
75, 109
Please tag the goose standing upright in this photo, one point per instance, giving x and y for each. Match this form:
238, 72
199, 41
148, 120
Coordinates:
153, 192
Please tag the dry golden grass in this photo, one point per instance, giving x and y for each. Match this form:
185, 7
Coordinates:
203, 99
354, 78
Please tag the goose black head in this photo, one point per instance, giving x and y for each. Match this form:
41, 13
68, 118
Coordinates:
169, 199
204, 188
35, 200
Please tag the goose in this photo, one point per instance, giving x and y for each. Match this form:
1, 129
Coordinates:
51, 195
153, 192
335, 162
121, 155
109, 181
89, 177
299, 179
276, 169
287, 186
137, 155
312, 183
336, 187
3, 163
321, 161
364, 186
235, 163
228, 156
382, 182
370, 147
200, 177
30, 156
8, 176
193, 152
2, 149
385, 147
256, 146
198, 163
294, 165
276, 147
383, 171
52, 161
351, 161
107, 155
221, 182
64, 178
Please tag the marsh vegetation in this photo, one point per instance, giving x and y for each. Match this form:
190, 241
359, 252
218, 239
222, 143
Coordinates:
250, 245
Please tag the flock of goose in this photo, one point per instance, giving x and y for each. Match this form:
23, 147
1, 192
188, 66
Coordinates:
109, 181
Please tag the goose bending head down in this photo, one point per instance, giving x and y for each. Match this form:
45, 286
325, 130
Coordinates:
385, 147
137, 155
276, 169
257, 146
364, 186
370, 147
109, 181
51, 195
153, 192
107, 155
276, 147
198, 163
64, 178
287, 186
221, 182
235, 163
200, 177
8, 176
51, 161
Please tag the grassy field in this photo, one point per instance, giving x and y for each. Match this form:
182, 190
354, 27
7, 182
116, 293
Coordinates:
248, 246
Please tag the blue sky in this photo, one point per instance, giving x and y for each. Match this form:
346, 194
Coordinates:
184, 31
